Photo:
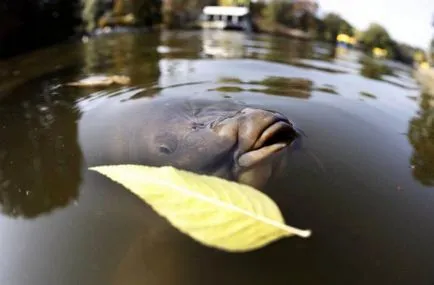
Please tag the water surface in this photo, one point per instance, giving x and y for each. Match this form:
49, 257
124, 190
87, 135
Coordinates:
369, 207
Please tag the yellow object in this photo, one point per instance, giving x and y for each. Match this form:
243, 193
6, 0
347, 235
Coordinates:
379, 52
352, 40
343, 38
424, 65
216, 212
419, 56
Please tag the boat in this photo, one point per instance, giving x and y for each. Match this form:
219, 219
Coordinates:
225, 17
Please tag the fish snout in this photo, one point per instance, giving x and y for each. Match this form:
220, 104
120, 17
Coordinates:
263, 137
264, 131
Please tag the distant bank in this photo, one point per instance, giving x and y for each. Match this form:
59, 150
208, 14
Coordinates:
425, 77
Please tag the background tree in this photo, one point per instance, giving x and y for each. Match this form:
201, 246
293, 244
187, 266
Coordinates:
333, 25
377, 36
346, 28
402, 52
270, 13
419, 55
285, 15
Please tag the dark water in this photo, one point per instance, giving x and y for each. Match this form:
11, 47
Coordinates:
370, 209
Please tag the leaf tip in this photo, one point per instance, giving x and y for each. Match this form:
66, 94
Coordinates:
102, 169
305, 233
298, 232
96, 168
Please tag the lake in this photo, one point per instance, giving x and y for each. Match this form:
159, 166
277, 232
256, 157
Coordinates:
363, 181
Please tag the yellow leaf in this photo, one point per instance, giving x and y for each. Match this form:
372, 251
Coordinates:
216, 212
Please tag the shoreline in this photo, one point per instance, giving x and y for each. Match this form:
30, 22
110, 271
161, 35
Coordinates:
277, 29
425, 78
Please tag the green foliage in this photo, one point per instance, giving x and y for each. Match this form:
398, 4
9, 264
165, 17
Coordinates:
241, 3
401, 52
181, 13
88, 14
374, 69
233, 3
144, 13
281, 13
334, 24
285, 14
332, 21
270, 12
376, 36
346, 28
419, 55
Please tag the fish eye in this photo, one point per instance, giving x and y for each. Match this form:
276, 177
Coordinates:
166, 143
165, 149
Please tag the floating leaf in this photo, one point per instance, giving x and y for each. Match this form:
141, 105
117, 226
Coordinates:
216, 212
101, 80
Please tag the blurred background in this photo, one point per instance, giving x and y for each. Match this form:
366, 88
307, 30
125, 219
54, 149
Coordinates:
398, 31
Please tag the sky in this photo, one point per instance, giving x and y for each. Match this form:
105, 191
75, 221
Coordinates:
406, 21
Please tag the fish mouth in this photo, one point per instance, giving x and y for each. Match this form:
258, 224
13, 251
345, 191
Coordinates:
275, 136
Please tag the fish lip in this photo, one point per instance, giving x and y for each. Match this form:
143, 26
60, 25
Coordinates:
274, 137
279, 131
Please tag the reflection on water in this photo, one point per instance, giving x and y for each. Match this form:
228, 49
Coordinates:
374, 69
421, 136
274, 49
370, 211
380, 70
368, 95
117, 54
274, 85
19, 70
40, 156
327, 88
